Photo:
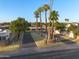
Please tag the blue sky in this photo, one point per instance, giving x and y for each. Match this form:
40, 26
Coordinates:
11, 9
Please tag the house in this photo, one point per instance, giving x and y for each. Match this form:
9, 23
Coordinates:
4, 35
4, 26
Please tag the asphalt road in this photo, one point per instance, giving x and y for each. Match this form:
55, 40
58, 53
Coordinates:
59, 54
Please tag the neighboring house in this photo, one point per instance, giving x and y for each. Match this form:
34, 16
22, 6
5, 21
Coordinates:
34, 28
74, 23
4, 26
4, 35
68, 24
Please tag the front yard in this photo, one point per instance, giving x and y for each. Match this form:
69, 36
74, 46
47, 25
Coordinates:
9, 48
43, 44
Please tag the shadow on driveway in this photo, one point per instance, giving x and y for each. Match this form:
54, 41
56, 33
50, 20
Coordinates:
66, 41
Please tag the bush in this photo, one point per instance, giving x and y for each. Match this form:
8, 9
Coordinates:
76, 33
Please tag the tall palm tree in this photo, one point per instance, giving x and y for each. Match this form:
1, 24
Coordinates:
40, 10
53, 18
46, 8
36, 13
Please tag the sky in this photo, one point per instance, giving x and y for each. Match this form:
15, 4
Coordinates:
11, 9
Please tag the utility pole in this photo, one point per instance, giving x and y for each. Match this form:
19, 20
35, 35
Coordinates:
51, 5
52, 28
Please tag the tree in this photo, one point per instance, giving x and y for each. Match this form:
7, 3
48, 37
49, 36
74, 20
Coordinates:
40, 10
59, 26
46, 8
53, 18
19, 26
36, 13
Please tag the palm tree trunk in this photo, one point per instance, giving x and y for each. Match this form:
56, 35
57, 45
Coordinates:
21, 38
36, 24
40, 24
52, 35
46, 20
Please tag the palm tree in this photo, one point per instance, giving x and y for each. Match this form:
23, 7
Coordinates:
53, 18
36, 13
40, 10
46, 8
19, 26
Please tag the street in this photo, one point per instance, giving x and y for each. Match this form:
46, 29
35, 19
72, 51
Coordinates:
60, 54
